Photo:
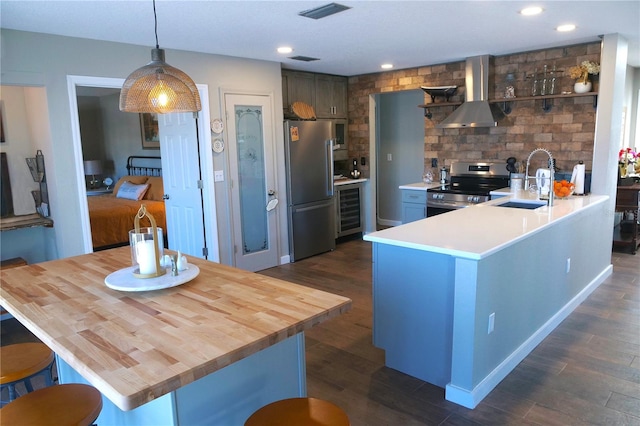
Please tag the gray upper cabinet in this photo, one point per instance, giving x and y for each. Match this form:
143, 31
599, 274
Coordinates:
327, 94
297, 87
331, 96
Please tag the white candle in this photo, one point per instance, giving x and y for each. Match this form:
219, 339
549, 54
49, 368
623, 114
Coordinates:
146, 257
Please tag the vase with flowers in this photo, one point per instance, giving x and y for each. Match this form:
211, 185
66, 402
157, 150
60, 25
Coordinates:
581, 74
627, 160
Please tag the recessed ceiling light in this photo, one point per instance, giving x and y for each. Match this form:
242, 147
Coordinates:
285, 49
529, 11
386, 66
566, 27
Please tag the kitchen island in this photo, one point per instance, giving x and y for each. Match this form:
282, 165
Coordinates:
210, 351
459, 299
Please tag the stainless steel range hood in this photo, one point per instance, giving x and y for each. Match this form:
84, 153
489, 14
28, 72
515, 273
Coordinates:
475, 111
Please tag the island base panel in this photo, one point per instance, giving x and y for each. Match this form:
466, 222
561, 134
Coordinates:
226, 397
413, 311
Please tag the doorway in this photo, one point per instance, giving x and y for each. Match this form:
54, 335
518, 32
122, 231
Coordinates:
254, 200
400, 146
206, 162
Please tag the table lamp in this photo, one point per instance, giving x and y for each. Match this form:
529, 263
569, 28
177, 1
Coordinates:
93, 168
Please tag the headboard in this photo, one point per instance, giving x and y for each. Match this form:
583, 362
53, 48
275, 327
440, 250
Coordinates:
138, 165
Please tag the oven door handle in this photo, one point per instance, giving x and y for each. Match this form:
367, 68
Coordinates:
447, 205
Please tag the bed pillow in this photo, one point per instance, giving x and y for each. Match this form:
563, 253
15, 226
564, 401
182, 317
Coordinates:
133, 179
132, 191
156, 189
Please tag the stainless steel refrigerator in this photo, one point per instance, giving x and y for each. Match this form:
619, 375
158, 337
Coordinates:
309, 162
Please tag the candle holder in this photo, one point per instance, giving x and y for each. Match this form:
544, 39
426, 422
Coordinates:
146, 250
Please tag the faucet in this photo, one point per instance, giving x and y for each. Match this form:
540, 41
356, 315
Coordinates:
551, 174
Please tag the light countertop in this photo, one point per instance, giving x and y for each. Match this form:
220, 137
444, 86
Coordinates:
421, 186
502, 192
478, 231
135, 347
348, 181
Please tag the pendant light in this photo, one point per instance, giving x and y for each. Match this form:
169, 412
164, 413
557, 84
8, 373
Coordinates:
158, 87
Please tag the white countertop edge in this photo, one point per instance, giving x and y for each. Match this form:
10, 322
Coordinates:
348, 181
518, 214
420, 186
424, 247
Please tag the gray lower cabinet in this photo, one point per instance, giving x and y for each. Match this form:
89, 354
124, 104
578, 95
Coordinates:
349, 213
414, 205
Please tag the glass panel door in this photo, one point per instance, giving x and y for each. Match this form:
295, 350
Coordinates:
251, 178
253, 191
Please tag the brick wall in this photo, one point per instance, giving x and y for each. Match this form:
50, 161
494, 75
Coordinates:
567, 130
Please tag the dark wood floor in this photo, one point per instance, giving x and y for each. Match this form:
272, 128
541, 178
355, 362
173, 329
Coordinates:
587, 372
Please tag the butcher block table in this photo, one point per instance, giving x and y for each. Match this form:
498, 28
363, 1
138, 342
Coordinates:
210, 351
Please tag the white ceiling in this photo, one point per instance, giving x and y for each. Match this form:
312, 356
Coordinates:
357, 41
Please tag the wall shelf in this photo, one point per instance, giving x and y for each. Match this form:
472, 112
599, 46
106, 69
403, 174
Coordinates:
546, 105
507, 102
24, 221
426, 107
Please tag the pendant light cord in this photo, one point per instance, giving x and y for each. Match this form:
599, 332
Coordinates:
155, 18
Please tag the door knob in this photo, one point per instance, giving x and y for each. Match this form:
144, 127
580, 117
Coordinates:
165, 197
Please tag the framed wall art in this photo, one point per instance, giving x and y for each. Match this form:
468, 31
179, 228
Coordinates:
149, 130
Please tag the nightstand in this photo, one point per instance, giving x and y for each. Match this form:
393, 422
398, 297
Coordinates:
98, 191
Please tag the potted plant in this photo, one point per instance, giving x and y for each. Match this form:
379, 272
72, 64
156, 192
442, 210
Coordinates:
581, 74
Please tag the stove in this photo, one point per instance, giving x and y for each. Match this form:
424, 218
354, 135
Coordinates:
470, 183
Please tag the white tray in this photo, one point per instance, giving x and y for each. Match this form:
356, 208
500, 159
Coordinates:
124, 280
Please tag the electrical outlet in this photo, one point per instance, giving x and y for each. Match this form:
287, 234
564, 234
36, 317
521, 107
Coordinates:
492, 323
434, 162
218, 176
568, 264
363, 161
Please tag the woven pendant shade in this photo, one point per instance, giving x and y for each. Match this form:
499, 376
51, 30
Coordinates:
158, 87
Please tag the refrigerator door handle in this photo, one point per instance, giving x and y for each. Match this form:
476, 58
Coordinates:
329, 151
310, 208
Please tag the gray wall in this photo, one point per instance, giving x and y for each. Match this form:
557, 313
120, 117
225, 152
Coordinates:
32, 59
400, 134
109, 134
91, 129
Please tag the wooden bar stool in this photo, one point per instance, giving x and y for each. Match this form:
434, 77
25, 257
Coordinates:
70, 404
21, 362
299, 412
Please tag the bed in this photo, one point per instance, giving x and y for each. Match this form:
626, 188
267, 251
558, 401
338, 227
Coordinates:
112, 215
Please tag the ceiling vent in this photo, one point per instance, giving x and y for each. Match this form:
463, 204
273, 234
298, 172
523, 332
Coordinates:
323, 11
304, 58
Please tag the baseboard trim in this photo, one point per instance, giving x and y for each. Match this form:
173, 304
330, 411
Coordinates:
470, 399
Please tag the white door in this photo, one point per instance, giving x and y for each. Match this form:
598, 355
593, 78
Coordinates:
179, 150
253, 186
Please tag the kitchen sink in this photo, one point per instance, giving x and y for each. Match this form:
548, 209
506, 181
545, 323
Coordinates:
523, 204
